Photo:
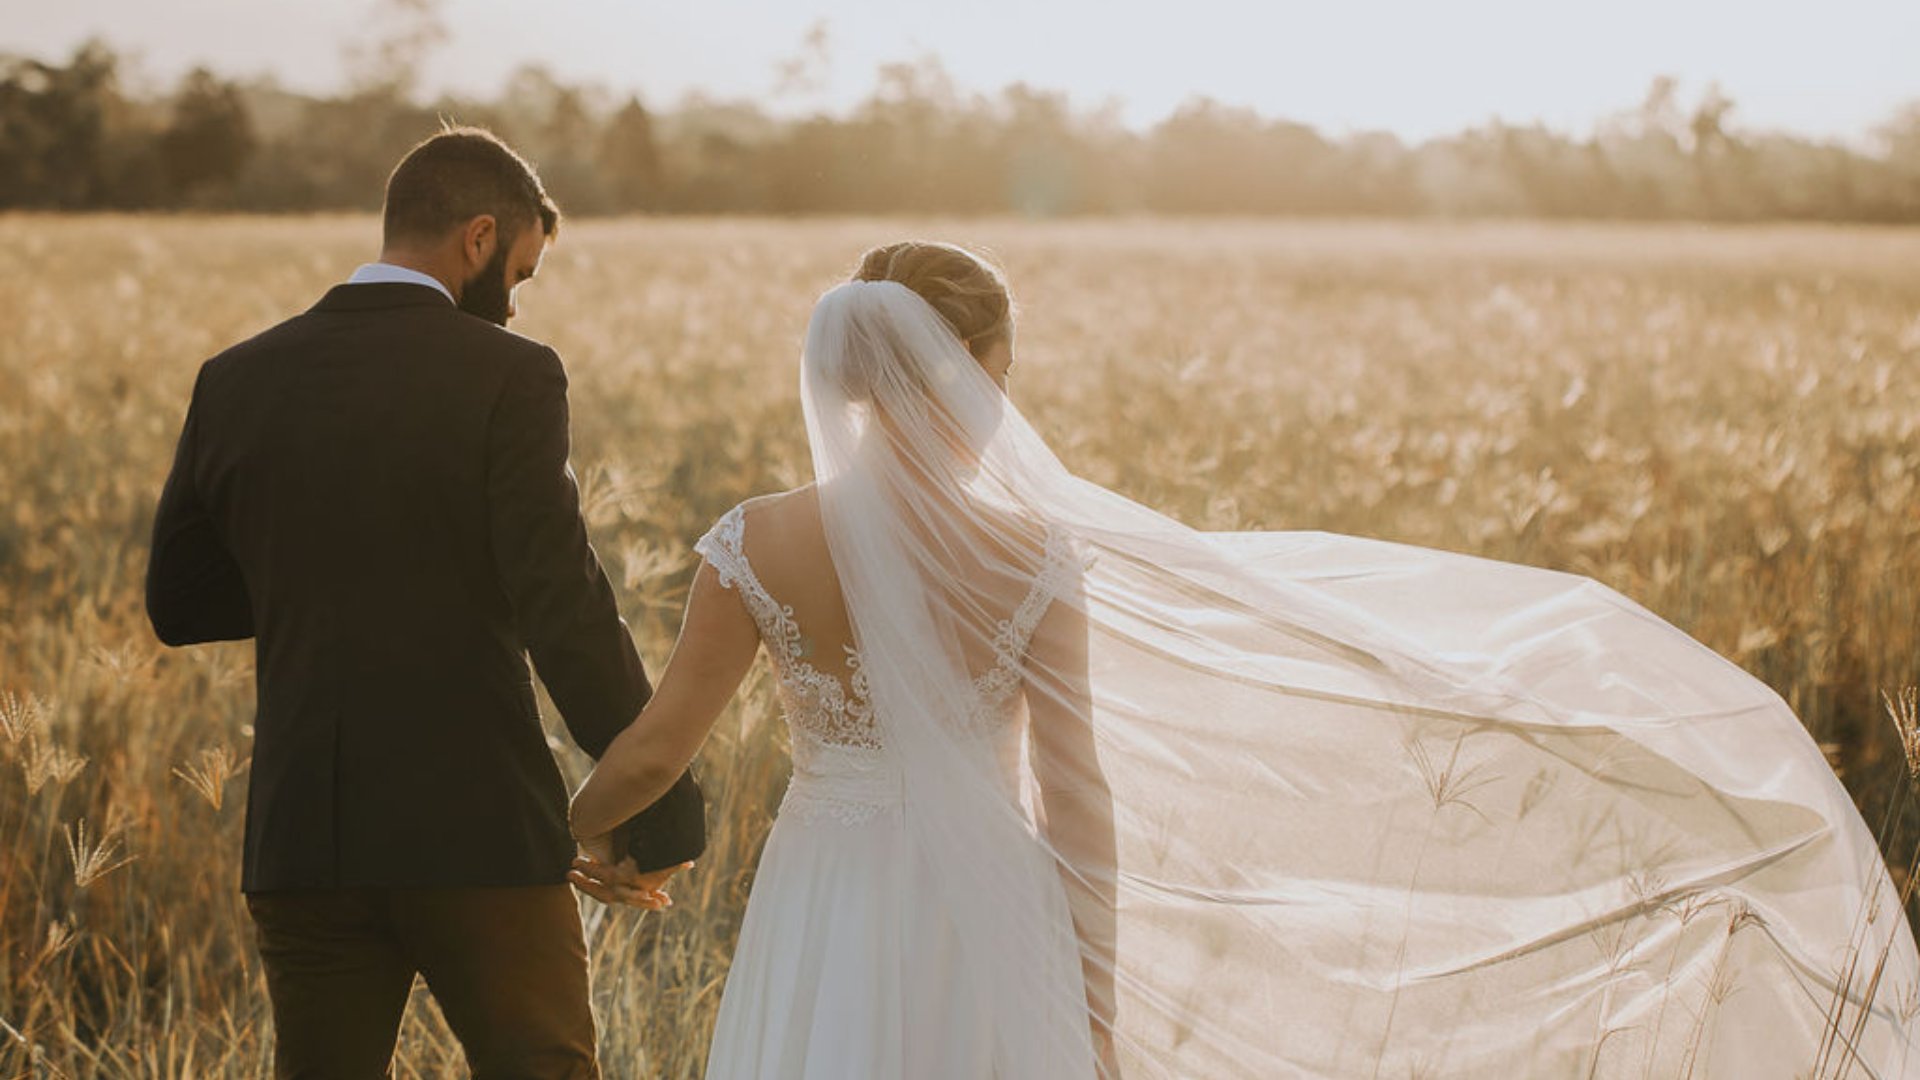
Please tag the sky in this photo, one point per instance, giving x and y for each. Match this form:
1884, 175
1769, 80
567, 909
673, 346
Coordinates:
1417, 68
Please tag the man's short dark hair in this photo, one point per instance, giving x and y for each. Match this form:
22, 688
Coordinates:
458, 175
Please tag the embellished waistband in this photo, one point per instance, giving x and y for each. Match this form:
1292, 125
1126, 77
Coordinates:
850, 789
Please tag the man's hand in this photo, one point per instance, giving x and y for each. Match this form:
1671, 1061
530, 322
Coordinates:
597, 874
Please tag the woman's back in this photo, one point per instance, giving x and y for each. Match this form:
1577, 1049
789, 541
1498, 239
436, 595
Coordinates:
784, 546
773, 550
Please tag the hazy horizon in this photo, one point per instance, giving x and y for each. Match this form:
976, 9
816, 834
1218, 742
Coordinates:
1416, 71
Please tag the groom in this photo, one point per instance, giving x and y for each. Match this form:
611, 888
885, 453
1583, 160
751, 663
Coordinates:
377, 492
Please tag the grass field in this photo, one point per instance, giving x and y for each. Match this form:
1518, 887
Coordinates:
1723, 424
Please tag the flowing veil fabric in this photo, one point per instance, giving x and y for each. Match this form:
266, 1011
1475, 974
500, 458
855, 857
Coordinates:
1295, 804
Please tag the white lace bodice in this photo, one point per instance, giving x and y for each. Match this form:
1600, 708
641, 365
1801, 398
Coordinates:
839, 757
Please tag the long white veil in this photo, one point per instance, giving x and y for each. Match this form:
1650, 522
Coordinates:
1297, 804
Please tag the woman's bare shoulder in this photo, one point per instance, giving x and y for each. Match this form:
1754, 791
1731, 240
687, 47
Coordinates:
783, 527
783, 508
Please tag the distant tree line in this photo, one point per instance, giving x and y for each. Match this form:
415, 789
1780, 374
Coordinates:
73, 138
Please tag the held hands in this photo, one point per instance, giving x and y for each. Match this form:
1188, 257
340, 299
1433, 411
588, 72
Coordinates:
597, 873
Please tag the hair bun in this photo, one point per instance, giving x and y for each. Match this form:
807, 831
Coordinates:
969, 292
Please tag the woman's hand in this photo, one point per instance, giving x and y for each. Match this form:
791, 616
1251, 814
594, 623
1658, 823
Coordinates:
612, 881
597, 849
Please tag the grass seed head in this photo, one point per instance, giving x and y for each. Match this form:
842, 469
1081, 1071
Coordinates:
1904, 710
93, 857
209, 771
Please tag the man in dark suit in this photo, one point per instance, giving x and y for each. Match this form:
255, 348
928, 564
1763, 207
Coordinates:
377, 492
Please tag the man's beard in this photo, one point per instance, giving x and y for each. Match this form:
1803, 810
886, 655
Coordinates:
486, 294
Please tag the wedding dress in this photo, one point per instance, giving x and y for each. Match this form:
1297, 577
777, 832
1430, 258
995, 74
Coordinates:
847, 965
1101, 795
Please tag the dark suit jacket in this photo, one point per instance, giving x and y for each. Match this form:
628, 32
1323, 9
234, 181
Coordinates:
377, 492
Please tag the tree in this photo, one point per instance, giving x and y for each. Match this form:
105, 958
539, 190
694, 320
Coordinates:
1901, 139
211, 137
52, 124
1041, 170
918, 144
1212, 158
629, 159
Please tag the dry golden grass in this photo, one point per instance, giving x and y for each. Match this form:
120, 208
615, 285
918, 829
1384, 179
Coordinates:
1724, 424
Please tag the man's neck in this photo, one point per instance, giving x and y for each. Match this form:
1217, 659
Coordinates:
421, 265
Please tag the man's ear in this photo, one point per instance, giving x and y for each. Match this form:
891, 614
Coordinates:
478, 239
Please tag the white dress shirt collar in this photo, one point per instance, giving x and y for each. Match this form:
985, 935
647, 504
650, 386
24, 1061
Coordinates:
379, 273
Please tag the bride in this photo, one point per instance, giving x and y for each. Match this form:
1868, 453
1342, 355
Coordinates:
1081, 792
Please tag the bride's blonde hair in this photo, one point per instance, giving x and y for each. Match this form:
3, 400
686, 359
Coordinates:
969, 292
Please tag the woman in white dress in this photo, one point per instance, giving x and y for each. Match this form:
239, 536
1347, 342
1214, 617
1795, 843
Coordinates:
1080, 792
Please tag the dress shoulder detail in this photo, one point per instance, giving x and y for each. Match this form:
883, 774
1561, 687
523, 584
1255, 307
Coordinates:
818, 705
725, 548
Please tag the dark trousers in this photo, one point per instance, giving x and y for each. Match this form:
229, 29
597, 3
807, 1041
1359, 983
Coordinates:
507, 965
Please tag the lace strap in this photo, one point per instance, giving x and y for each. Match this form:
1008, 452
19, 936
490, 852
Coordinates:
725, 548
1014, 633
1057, 571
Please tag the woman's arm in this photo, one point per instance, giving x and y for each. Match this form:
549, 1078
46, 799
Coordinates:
1076, 803
716, 647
